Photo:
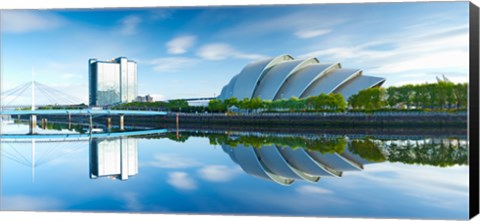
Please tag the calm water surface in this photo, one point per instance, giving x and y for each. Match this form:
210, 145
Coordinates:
321, 175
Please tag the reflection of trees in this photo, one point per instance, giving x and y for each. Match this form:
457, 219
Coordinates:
60, 127
322, 145
367, 149
440, 152
435, 152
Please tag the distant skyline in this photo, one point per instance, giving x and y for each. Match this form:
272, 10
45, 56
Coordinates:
195, 51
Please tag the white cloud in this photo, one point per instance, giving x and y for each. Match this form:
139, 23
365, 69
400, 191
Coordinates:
130, 24
171, 64
180, 44
70, 76
220, 51
29, 21
300, 20
309, 189
312, 33
30, 203
442, 49
170, 160
218, 173
161, 14
181, 180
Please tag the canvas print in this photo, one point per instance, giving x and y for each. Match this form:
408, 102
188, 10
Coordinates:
324, 110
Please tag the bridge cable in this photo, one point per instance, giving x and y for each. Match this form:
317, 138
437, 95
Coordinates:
16, 97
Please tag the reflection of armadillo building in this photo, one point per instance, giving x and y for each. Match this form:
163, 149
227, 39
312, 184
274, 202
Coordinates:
117, 158
284, 77
284, 165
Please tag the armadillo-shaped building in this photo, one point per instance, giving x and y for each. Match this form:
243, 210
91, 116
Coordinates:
284, 77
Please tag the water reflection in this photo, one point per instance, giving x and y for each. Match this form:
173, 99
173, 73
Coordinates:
284, 159
196, 171
281, 159
113, 158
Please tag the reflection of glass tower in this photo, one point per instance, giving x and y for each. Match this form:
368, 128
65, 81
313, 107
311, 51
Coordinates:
284, 165
117, 158
112, 81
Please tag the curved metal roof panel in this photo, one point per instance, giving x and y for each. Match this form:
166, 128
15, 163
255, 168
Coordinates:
329, 82
249, 77
357, 84
276, 76
295, 85
227, 90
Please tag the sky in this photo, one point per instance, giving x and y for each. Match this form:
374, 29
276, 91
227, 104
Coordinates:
186, 52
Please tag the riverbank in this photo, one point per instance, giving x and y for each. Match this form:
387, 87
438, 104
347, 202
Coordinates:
287, 120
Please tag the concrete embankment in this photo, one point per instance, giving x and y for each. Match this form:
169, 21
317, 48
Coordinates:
342, 120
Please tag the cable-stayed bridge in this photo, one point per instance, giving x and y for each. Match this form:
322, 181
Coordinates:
30, 97
35, 95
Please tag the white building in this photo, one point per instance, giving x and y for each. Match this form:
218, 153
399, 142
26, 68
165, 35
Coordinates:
284, 77
112, 82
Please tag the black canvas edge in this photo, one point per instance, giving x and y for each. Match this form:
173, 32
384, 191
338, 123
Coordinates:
473, 111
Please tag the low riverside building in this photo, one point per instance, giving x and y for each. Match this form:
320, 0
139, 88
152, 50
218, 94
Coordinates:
112, 82
146, 98
284, 77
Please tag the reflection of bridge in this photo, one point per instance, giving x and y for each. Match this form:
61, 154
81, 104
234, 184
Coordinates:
60, 144
66, 137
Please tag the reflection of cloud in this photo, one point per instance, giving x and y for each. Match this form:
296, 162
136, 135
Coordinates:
309, 189
220, 51
19, 21
30, 203
180, 180
441, 187
170, 160
218, 173
180, 44
131, 201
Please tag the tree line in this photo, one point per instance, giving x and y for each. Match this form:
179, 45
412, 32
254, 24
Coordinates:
441, 96
323, 102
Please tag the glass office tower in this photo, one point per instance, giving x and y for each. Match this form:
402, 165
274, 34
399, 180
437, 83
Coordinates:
112, 82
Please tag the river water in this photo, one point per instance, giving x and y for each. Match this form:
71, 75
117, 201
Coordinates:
248, 173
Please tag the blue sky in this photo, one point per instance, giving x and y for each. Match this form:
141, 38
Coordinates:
193, 52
